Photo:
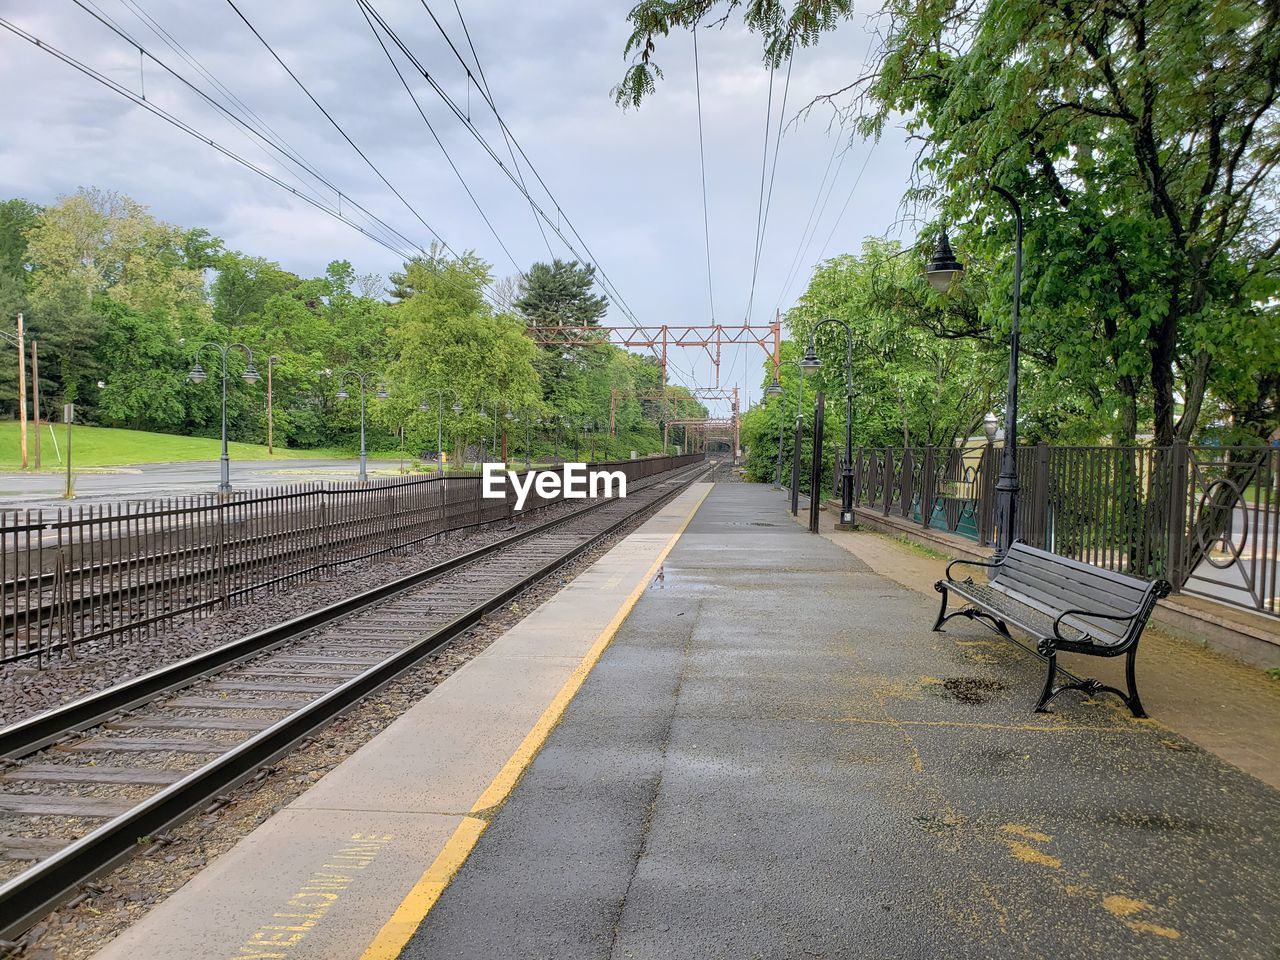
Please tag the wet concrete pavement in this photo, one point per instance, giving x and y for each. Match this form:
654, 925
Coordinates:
778, 758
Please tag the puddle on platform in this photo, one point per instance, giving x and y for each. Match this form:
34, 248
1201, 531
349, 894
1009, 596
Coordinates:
662, 580
971, 689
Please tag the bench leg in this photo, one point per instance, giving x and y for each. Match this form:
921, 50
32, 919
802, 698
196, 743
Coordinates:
973, 613
1131, 679
941, 587
1048, 693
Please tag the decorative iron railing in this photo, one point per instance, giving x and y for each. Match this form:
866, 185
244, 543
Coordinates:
112, 572
1205, 518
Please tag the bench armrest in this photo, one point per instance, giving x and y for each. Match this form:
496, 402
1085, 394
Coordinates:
989, 564
1119, 617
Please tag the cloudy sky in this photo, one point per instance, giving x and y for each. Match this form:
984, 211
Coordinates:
628, 181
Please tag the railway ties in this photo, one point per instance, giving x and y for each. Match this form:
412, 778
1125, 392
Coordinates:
135, 759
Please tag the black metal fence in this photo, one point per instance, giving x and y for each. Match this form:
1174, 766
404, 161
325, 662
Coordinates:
1205, 518
116, 571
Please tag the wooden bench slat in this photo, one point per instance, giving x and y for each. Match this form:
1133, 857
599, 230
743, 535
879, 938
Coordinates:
1079, 566
1050, 605
1127, 592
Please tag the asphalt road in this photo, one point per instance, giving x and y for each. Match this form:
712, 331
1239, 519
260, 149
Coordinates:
23, 490
777, 758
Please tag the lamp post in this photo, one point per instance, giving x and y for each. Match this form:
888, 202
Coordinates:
811, 364
362, 378
941, 271
457, 408
198, 376
775, 390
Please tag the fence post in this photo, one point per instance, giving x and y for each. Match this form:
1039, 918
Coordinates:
1037, 534
326, 519
986, 493
905, 491
886, 482
224, 600
928, 485
1176, 533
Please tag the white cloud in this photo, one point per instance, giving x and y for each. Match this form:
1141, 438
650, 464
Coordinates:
628, 179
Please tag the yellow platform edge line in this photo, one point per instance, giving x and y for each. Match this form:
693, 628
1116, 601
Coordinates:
413, 909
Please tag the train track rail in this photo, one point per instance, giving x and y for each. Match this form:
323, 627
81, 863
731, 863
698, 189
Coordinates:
84, 782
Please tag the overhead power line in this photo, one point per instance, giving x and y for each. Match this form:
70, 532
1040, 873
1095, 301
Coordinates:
762, 214
277, 144
377, 229
587, 255
440, 143
484, 82
702, 156
345, 136
196, 134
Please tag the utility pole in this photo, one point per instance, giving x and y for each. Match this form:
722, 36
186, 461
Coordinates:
22, 394
69, 414
35, 396
270, 422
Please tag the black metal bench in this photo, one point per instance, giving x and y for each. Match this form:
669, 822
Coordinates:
1062, 604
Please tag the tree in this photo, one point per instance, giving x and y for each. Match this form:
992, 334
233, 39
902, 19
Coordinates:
95, 244
1142, 140
912, 386
445, 335
560, 294
424, 272
16, 218
245, 284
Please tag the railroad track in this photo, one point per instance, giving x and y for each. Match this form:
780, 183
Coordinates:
85, 781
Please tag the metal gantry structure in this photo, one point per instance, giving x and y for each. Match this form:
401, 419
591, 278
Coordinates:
660, 338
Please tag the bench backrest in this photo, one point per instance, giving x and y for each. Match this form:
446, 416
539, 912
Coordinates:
1052, 584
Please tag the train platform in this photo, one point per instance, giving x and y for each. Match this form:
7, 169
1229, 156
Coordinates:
732, 738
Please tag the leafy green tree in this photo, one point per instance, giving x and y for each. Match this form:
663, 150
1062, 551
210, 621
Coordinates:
16, 218
911, 386
445, 335
245, 284
95, 244
1142, 141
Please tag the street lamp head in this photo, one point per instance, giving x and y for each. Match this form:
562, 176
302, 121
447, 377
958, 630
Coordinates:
424, 406
990, 426
811, 363
943, 267
342, 393
509, 415
457, 408
251, 374
196, 376
774, 389
382, 392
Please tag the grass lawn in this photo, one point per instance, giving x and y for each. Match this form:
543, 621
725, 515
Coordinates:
107, 447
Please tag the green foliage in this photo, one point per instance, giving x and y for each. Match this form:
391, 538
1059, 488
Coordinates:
1141, 141
115, 296
910, 385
